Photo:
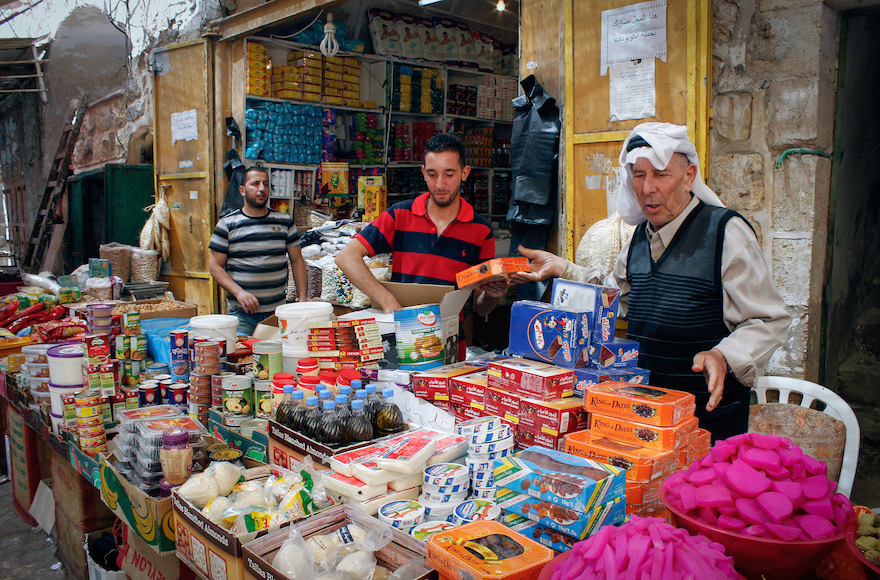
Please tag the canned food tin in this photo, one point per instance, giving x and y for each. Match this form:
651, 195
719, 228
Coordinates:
217, 378
238, 395
91, 452
122, 346
149, 394
164, 386
208, 347
92, 421
419, 334
87, 398
154, 370
139, 347
96, 411
197, 379
199, 399
216, 401
87, 443
179, 354
197, 409
90, 432
178, 395
263, 399
200, 391
212, 369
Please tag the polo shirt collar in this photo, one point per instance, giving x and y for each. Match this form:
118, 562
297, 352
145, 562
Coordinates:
465, 210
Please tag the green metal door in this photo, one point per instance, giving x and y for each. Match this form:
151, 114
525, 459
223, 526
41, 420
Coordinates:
128, 189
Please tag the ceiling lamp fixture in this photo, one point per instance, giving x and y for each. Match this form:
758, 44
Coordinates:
426, 2
500, 6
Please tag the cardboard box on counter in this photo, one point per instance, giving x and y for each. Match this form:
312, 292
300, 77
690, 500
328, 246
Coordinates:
554, 417
573, 482
575, 523
602, 301
501, 403
529, 378
141, 562
552, 334
640, 403
618, 353
286, 444
642, 435
180, 309
543, 535
469, 390
589, 377
78, 498
259, 553
434, 384
527, 437
255, 447
639, 463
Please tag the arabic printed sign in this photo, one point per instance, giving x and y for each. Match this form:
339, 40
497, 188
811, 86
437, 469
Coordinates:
633, 32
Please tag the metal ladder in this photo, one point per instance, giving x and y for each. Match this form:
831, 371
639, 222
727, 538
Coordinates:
48, 231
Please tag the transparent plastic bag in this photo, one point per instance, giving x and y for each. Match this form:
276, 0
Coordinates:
411, 570
358, 565
294, 559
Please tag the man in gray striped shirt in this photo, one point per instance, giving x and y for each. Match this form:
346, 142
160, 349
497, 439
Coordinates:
250, 249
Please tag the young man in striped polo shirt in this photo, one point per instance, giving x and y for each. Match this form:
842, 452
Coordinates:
431, 238
250, 249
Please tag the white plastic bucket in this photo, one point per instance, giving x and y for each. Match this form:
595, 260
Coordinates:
65, 365
55, 394
57, 421
216, 326
290, 357
294, 319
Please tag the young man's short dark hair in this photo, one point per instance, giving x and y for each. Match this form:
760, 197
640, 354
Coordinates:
262, 170
446, 142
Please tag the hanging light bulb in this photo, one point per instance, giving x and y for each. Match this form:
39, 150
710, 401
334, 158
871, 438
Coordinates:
500, 6
329, 45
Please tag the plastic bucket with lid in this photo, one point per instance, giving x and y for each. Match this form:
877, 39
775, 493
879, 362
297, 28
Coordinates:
65, 364
216, 326
57, 391
290, 357
294, 319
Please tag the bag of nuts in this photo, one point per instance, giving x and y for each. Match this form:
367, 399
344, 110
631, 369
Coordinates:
120, 258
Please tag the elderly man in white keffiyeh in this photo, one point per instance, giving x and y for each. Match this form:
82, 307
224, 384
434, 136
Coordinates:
695, 287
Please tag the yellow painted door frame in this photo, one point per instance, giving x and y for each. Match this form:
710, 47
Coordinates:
696, 89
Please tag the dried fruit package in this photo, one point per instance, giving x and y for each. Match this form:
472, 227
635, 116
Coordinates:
640, 403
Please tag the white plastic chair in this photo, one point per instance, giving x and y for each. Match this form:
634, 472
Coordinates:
834, 406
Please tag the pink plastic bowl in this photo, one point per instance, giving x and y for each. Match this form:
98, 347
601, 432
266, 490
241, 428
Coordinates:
756, 557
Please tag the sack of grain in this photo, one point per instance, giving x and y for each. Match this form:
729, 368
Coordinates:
120, 258
144, 265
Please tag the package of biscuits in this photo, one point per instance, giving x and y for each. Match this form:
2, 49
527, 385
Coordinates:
642, 434
560, 478
529, 436
486, 549
640, 464
641, 403
553, 416
530, 378
433, 384
579, 524
542, 534
552, 334
502, 403
588, 377
602, 301
618, 353
493, 270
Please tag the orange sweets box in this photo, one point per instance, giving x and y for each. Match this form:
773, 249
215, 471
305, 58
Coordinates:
640, 434
641, 464
643, 492
641, 403
491, 271
486, 549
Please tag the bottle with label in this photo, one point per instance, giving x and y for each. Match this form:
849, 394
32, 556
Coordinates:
362, 395
311, 418
389, 419
374, 402
282, 413
358, 427
298, 409
176, 455
329, 431
343, 410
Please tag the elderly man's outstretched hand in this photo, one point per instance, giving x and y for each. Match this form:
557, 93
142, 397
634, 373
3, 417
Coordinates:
543, 265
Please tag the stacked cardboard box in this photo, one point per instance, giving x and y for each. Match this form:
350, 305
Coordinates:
345, 344
648, 431
257, 71
301, 79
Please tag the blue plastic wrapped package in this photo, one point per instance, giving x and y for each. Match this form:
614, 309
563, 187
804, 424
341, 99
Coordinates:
158, 331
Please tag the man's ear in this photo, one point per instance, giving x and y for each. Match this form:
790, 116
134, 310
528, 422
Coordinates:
465, 171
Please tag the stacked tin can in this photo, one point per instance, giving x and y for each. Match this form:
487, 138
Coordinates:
209, 358
217, 387
90, 422
238, 399
489, 438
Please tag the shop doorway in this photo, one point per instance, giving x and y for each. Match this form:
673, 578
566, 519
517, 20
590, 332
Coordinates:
851, 338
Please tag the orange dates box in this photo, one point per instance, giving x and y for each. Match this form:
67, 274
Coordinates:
640, 434
491, 271
640, 463
640, 403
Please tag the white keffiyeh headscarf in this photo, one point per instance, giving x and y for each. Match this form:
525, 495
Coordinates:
664, 140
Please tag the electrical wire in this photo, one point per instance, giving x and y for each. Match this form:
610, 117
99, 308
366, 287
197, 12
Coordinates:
307, 26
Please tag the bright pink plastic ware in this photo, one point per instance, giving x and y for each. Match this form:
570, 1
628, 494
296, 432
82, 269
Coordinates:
755, 556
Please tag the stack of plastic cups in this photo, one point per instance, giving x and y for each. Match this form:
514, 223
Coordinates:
488, 439
90, 422
99, 318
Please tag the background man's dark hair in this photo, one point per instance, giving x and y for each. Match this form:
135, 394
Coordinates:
256, 168
446, 142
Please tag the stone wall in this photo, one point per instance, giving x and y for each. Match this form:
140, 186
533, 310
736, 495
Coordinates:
774, 65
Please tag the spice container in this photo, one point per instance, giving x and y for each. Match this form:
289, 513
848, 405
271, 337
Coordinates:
176, 455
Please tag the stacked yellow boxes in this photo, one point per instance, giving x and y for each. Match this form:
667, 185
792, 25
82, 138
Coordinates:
257, 72
301, 79
429, 75
334, 85
351, 79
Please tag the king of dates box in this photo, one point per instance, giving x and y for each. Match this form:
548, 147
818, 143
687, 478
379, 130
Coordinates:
551, 334
530, 378
641, 403
560, 478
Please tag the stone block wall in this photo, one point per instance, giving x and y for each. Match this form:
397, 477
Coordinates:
773, 82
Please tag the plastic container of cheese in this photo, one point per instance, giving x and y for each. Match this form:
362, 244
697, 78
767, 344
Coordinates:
425, 530
351, 487
407, 455
446, 474
487, 494
401, 514
446, 497
436, 510
444, 489
478, 425
474, 510
491, 447
448, 448
490, 436
342, 463
371, 506
406, 482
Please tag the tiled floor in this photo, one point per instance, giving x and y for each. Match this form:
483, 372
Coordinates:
26, 553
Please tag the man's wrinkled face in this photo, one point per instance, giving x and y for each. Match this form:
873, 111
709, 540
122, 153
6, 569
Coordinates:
255, 189
663, 193
443, 173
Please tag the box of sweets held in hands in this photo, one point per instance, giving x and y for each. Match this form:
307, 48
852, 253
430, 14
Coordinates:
529, 378
552, 334
602, 301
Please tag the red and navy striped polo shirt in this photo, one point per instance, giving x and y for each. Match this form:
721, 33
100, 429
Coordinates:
419, 255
